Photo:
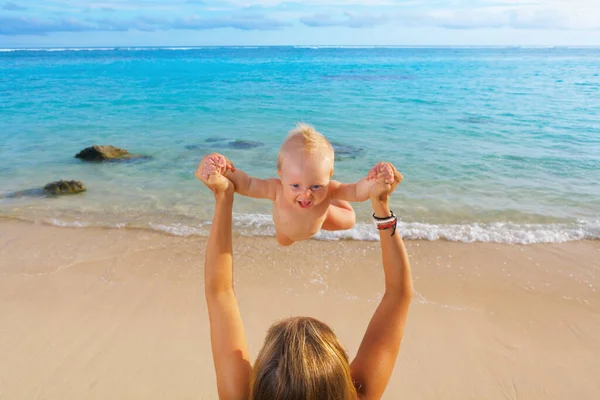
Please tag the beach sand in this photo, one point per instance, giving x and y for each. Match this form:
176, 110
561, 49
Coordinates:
120, 314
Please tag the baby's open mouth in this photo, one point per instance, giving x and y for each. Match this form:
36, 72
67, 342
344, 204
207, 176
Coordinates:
305, 204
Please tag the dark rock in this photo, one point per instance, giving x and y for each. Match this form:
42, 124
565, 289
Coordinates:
346, 151
107, 153
64, 187
52, 189
217, 143
244, 144
213, 139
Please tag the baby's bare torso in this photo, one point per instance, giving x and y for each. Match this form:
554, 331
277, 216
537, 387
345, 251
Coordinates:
295, 223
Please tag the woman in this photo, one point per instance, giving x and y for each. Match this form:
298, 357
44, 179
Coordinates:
301, 357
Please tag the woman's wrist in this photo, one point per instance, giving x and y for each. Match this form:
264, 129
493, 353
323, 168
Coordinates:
224, 195
381, 208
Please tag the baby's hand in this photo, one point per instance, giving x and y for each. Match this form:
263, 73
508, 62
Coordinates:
211, 172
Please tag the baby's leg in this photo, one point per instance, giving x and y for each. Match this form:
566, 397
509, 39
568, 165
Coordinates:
282, 239
340, 216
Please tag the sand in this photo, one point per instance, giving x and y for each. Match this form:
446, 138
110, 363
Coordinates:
120, 314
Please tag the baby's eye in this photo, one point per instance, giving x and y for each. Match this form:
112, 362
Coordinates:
295, 186
315, 187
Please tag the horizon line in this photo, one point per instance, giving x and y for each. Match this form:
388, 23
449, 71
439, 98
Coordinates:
308, 46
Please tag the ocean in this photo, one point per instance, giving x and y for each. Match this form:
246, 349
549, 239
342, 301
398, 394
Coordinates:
495, 144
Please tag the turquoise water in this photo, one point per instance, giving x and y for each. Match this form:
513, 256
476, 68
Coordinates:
496, 144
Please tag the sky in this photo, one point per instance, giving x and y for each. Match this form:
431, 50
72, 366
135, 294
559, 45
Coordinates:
79, 23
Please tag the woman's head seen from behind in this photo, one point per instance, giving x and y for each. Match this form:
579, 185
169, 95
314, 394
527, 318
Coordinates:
301, 359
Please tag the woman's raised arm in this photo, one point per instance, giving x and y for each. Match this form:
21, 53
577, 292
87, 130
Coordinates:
227, 336
373, 365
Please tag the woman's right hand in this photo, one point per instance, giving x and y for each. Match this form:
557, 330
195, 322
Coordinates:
211, 172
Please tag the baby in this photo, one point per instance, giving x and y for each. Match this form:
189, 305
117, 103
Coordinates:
305, 199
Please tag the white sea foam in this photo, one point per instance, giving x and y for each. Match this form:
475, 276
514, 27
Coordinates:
499, 232
82, 224
246, 224
67, 224
178, 229
254, 224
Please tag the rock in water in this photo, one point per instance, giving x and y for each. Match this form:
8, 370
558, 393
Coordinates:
244, 144
64, 187
213, 139
106, 153
212, 143
346, 151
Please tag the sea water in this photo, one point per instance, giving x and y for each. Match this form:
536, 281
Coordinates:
495, 144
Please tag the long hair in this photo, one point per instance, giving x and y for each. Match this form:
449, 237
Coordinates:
301, 359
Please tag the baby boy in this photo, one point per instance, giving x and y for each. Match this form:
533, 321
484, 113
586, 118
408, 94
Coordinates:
305, 198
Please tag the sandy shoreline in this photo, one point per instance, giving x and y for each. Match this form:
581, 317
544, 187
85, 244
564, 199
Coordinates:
120, 314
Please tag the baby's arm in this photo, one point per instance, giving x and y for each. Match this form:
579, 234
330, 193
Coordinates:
359, 191
253, 187
243, 184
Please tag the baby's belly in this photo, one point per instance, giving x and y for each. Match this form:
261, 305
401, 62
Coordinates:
297, 227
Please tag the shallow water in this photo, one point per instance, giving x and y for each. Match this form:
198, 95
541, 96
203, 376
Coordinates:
495, 144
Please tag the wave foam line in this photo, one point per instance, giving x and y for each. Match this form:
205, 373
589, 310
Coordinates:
498, 232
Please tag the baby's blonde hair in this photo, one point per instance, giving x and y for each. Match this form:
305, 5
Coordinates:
301, 359
311, 141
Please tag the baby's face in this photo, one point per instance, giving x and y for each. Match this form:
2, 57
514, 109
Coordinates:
305, 179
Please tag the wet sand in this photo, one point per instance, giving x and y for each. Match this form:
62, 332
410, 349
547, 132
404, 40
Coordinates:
120, 314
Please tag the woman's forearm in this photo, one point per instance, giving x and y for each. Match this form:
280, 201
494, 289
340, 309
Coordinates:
378, 351
396, 266
227, 336
218, 271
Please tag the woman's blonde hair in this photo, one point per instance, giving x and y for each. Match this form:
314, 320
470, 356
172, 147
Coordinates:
301, 359
311, 141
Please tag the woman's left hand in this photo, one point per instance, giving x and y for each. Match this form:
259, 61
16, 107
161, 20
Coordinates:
387, 178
